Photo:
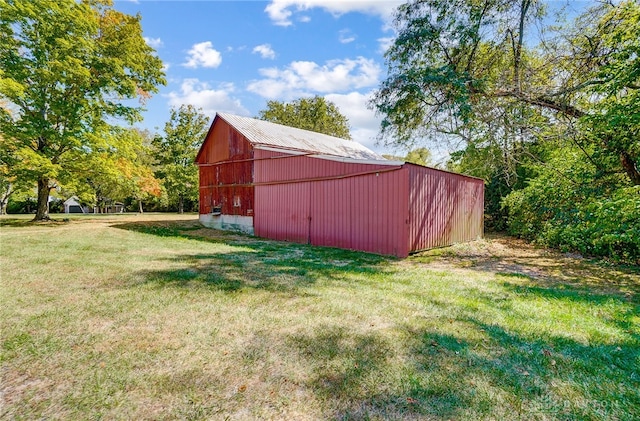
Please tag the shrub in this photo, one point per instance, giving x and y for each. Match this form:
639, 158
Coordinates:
595, 217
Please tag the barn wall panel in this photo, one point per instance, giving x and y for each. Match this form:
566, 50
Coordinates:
226, 172
365, 212
379, 213
273, 166
444, 208
282, 212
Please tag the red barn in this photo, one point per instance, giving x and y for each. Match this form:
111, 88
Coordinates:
289, 184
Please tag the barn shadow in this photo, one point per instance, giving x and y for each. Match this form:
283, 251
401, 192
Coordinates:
244, 261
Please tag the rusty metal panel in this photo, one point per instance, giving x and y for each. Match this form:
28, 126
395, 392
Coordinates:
445, 208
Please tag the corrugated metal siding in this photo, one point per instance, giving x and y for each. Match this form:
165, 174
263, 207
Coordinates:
363, 212
276, 166
444, 208
374, 213
282, 212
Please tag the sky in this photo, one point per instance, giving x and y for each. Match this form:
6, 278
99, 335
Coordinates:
234, 56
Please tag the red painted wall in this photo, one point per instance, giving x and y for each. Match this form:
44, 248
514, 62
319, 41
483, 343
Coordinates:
445, 208
223, 182
364, 209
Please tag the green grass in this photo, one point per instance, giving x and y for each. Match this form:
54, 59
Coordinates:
155, 318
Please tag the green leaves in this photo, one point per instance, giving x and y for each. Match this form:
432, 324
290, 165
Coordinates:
547, 113
315, 114
176, 152
62, 63
571, 206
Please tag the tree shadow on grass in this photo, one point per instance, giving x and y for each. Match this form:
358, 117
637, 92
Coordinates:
565, 377
413, 370
242, 261
350, 372
624, 319
465, 367
498, 374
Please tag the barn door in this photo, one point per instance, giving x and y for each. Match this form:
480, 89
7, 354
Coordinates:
282, 212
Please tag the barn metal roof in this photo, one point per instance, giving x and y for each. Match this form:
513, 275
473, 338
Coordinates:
265, 133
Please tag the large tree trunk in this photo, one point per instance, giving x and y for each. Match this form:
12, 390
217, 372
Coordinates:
140, 206
180, 205
42, 212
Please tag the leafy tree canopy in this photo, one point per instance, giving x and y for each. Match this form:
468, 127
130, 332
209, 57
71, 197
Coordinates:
420, 156
462, 69
176, 151
65, 66
118, 168
315, 114
548, 113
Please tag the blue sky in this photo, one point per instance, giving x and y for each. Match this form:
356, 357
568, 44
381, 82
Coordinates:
234, 56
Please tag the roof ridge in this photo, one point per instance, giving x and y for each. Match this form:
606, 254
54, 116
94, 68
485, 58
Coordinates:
262, 132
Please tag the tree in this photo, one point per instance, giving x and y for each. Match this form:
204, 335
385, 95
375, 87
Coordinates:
446, 66
145, 184
176, 152
118, 168
315, 114
420, 156
610, 50
521, 105
463, 69
65, 67
7, 177
569, 205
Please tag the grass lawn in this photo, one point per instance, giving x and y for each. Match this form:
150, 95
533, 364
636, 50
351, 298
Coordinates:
152, 317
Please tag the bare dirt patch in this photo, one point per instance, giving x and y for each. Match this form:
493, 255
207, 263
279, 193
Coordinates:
512, 257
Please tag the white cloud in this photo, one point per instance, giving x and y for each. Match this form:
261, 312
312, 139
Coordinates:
385, 43
345, 36
203, 55
304, 77
281, 11
363, 121
265, 51
153, 42
201, 95
354, 106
